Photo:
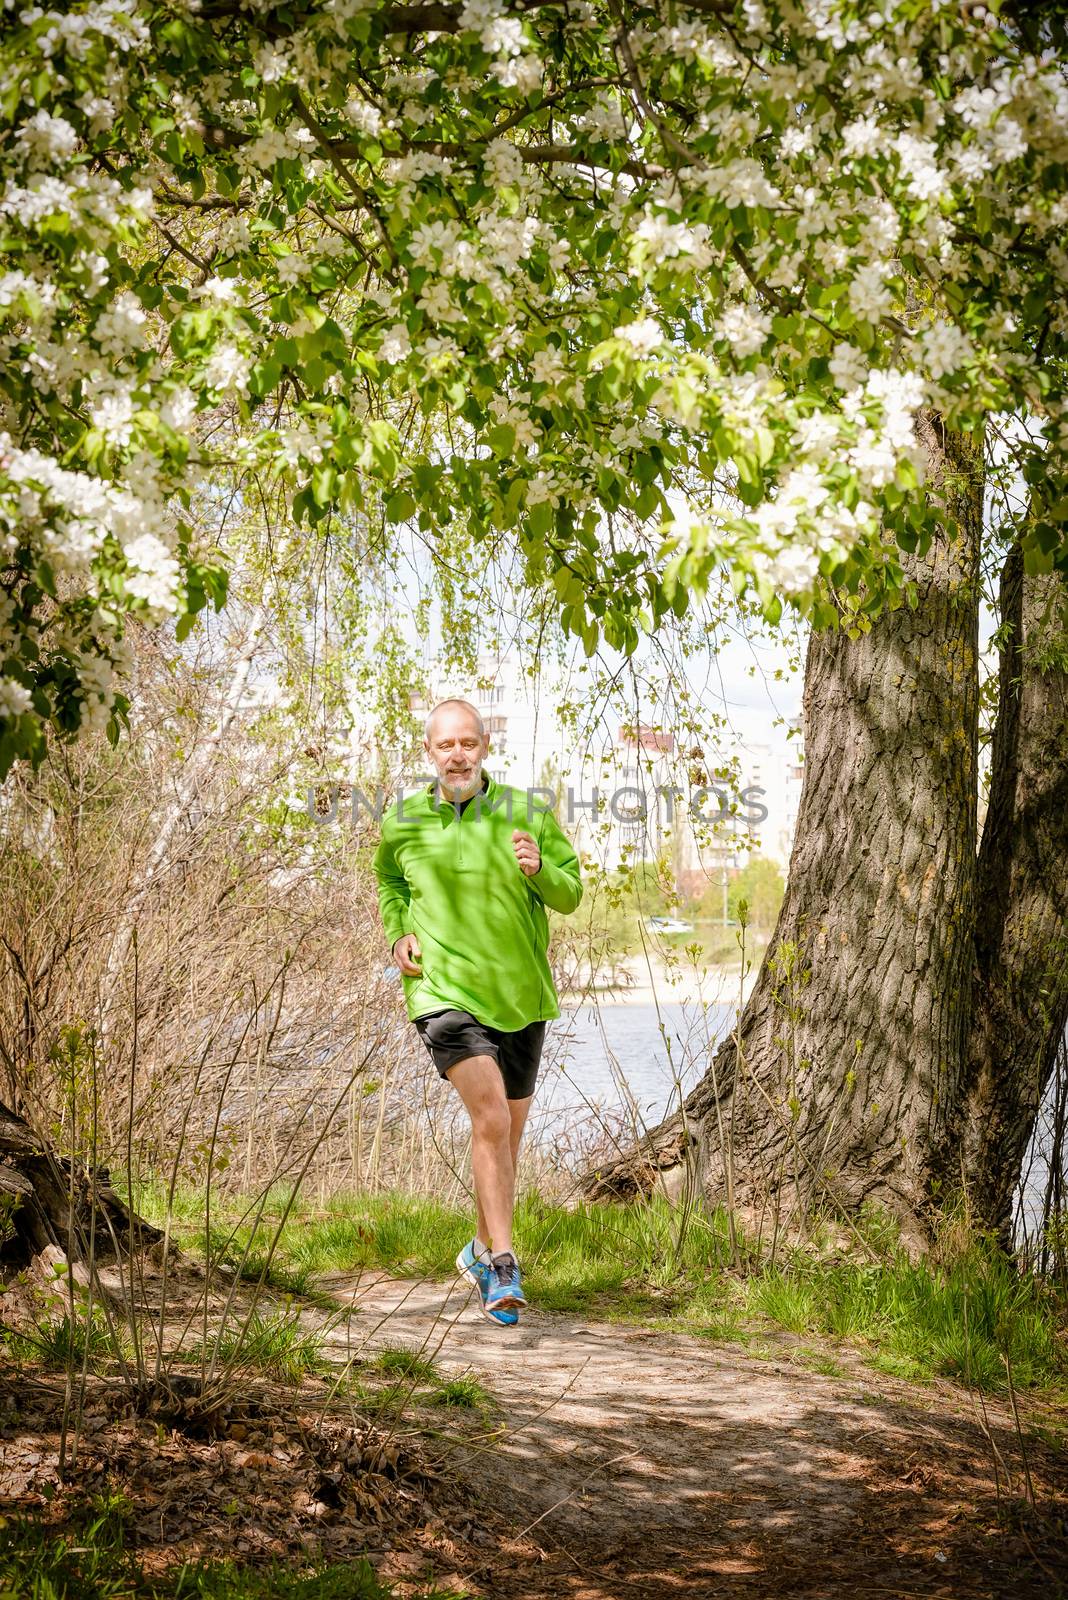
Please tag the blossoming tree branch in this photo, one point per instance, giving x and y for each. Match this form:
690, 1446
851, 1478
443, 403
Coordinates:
644, 289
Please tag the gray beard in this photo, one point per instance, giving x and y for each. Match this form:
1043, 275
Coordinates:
473, 785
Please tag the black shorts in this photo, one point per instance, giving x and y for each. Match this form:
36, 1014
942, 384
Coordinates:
452, 1036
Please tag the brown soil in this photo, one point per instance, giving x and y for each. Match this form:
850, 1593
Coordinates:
645, 1464
613, 1463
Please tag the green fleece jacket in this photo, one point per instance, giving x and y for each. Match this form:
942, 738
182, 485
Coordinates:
455, 883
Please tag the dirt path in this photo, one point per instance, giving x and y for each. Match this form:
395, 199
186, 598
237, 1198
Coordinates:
640, 1463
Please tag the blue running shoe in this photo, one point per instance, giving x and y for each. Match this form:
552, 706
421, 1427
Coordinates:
477, 1271
505, 1289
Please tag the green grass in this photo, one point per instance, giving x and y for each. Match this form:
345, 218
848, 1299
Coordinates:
348, 1581
462, 1393
276, 1345
960, 1320
957, 1320
68, 1343
400, 1363
409, 1370
89, 1560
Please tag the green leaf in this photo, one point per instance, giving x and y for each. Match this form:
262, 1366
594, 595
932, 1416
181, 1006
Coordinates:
648, 501
540, 519
400, 506
324, 484
501, 439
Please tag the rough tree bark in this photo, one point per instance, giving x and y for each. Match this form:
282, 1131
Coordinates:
859, 1074
1020, 990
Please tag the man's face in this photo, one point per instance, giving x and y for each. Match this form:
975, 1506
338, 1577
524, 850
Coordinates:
457, 751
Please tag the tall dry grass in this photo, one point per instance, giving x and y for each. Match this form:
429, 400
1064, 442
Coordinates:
188, 968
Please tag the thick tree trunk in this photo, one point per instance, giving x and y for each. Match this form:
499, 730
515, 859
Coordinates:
854, 1039
1021, 941
49, 1207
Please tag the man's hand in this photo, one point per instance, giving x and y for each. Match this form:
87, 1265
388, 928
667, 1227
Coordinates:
406, 953
526, 852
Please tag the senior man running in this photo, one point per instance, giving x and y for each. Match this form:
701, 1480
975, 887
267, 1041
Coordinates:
462, 887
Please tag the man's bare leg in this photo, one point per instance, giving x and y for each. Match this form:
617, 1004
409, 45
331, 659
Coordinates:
518, 1110
478, 1081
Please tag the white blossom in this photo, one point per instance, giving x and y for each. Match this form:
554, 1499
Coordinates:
745, 329
1006, 140
227, 369
432, 240
643, 336
901, 394
507, 241
868, 295
44, 197
864, 137
121, 327
503, 36
848, 366
97, 271
543, 489
268, 147
547, 367
292, 267
512, 412
234, 235
222, 291
503, 162
155, 574
793, 569
874, 457
98, 109
741, 182
668, 242
816, 434
270, 63
365, 117
604, 118
179, 409
882, 228
977, 107
918, 160
945, 349
113, 415
435, 298
301, 442
522, 72
15, 698
46, 137
439, 351
805, 487
395, 345
478, 14
13, 284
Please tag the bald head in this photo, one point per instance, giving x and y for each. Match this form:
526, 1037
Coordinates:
472, 712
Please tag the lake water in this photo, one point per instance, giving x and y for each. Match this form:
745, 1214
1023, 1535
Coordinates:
616, 1060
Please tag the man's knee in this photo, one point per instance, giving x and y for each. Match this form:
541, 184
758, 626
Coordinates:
481, 1087
490, 1119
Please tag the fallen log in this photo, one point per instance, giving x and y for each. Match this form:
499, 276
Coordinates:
49, 1203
